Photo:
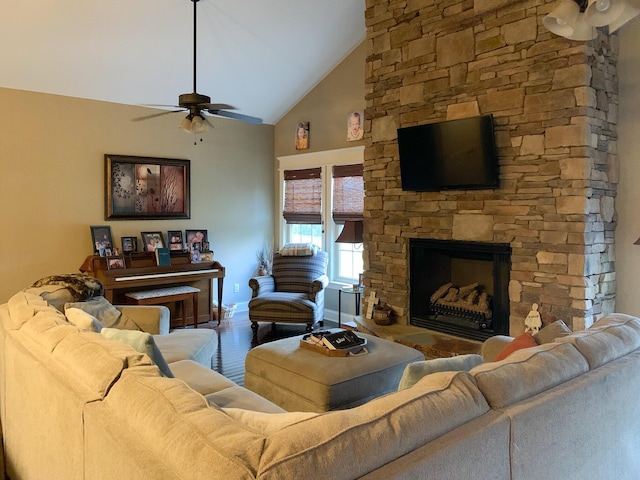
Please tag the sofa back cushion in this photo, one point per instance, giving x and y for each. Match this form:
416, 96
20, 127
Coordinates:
527, 372
361, 439
167, 422
611, 337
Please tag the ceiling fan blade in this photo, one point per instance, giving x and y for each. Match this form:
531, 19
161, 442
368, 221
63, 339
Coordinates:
217, 106
160, 105
147, 117
236, 116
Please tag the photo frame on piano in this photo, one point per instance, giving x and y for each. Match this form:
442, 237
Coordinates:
196, 236
176, 241
101, 238
152, 240
129, 244
116, 262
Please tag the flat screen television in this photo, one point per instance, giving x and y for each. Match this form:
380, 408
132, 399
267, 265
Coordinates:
450, 155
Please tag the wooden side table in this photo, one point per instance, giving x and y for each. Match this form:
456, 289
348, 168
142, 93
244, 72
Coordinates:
171, 294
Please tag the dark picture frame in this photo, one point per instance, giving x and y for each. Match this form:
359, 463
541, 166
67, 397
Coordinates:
176, 240
152, 240
129, 244
196, 236
116, 262
101, 239
146, 188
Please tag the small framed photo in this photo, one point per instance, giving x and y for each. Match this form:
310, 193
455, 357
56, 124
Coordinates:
116, 262
129, 244
152, 240
302, 136
361, 280
101, 238
176, 241
354, 125
195, 256
206, 256
205, 247
196, 236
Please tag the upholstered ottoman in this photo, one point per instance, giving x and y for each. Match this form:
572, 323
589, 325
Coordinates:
298, 379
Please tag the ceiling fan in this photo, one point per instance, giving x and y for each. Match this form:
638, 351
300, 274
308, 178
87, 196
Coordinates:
197, 104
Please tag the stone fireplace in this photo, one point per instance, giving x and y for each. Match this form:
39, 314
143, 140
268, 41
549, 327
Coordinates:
554, 103
460, 288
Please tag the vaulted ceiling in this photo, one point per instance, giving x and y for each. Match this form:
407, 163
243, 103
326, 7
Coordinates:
261, 56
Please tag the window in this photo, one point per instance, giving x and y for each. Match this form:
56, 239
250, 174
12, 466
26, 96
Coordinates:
317, 200
303, 205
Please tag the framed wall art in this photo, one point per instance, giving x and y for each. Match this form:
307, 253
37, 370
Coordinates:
302, 136
144, 188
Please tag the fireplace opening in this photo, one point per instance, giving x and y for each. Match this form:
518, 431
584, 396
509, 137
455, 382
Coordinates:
460, 288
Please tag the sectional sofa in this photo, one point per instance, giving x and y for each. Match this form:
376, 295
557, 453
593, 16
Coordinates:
75, 405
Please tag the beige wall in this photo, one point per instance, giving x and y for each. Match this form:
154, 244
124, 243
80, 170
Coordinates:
52, 184
326, 107
628, 200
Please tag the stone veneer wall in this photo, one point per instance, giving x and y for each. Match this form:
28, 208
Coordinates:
554, 103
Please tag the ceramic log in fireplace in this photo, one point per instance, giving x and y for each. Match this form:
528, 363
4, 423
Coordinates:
442, 275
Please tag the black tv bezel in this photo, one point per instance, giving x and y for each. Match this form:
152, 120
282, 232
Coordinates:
491, 160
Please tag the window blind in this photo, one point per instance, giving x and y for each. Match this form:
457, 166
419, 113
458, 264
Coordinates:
302, 196
348, 193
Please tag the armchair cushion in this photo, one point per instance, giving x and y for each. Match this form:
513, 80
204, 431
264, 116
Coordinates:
294, 293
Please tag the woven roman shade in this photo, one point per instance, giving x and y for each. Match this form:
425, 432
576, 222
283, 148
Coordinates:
302, 196
348, 193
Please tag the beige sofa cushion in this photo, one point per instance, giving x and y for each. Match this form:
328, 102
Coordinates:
611, 337
175, 425
528, 372
346, 444
23, 306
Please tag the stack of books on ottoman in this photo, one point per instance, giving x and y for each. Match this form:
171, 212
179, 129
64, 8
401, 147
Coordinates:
335, 342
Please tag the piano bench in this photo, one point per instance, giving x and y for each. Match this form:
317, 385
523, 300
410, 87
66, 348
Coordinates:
161, 296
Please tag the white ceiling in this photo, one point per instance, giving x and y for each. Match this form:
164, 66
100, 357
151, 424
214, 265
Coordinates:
261, 56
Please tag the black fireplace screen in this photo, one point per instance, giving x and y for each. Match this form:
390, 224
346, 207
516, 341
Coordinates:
460, 288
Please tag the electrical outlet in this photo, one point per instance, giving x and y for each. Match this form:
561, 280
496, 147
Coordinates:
236, 288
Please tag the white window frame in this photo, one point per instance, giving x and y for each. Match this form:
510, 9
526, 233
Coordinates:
325, 160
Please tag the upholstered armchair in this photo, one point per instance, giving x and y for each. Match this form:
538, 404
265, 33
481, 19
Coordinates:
293, 293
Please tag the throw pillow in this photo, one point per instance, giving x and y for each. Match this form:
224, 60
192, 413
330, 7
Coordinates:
142, 342
81, 286
82, 320
525, 340
552, 331
108, 315
416, 370
298, 250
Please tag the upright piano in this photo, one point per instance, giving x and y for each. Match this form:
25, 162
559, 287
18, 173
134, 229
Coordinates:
142, 273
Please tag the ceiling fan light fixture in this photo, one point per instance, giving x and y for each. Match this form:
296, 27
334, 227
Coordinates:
629, 13
185, 124
562, 19
198, 125
602, 12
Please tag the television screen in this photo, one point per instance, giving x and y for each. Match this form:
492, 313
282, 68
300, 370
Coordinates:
454, 154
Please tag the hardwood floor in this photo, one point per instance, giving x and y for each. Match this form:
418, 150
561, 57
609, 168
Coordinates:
235, 340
